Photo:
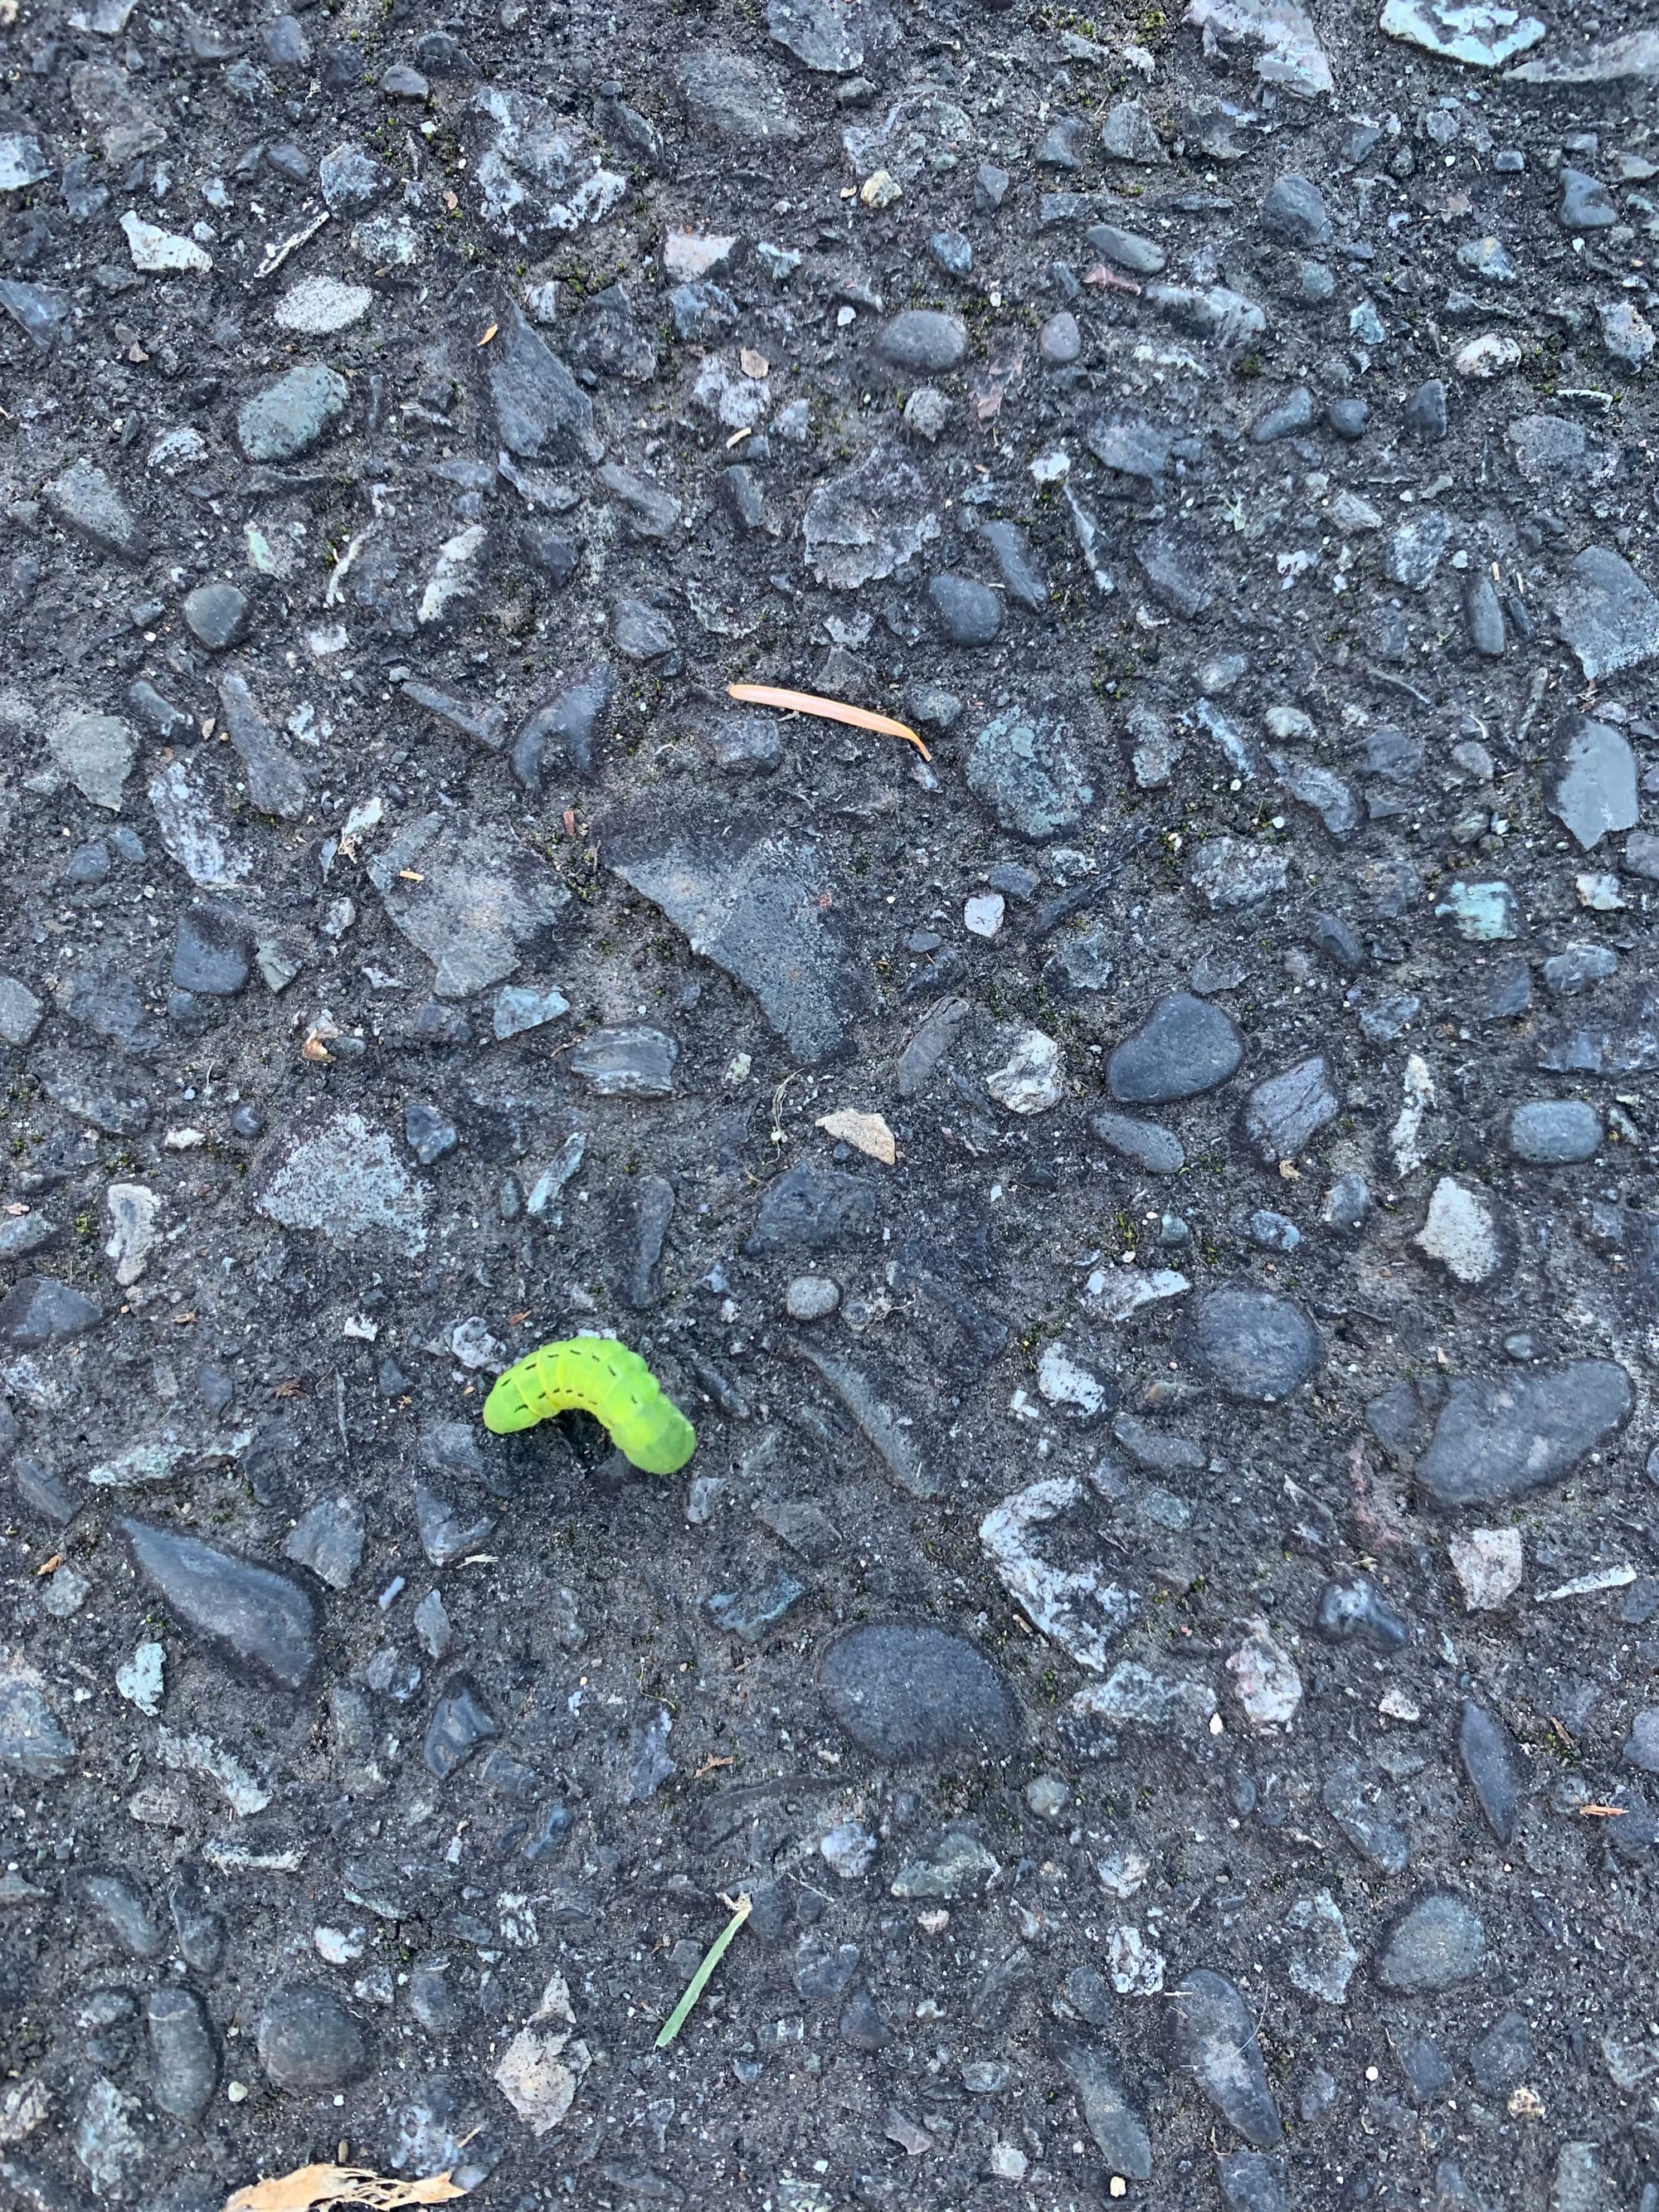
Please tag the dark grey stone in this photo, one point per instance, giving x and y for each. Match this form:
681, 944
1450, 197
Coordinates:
291, 416
906, 1693
1215, 2042
1011, 549
429, 1132
39, 1311
329, 1539
562, 732
472, 898
1425, 412
541, 412
1500, 2058
1116, 2127
448, 1532
1126, 249
1284, 1112
1432, 1944
969, 612
217, 615
1555, 1132
1288, 417
277, 783
1606, 614
85, 501
212, 953
1254, 1344
1589, 783
1293, 212
758, 906
1176, 573
459, 1724
1496, 1440
33, 1742
1492, 1760
122, 1908
1366, 1818
1184, 1047
1158, 1151
744, 743
628, 1061
810, 1208
1251, 2181
923, 341
749, 1613
644, 1212
259, 1620
308, 2041
184, 2052
1586, 203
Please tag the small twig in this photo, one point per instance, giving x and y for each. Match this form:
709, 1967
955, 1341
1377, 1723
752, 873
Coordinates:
741, 1907
828, 710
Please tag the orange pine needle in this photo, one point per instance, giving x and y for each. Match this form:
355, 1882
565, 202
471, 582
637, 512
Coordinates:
828, 710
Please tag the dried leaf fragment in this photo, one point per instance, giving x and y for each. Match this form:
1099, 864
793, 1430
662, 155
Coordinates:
867, 1132
828, 710
340, 2184
488, 334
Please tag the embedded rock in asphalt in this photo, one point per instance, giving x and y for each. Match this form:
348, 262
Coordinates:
906, 1694
1253, 1344
475, 901
1215, 2042
1189, 1117
758, 906
1434, 1943
1185, 1046
262, 1621
1026, 769
1497, 1440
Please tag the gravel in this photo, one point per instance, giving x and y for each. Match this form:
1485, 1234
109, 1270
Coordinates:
1147, 1195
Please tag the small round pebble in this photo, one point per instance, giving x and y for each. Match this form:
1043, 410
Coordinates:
1059, 341
811, 1298
1555, 1132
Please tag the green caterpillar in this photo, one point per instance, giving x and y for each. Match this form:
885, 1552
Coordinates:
595, 1376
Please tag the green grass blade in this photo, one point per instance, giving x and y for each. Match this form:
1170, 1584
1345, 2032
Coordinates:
699, 1981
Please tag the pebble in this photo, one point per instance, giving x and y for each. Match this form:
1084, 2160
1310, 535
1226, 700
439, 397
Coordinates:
1432, 1944
260, 1619
309, 2042
1158, 1151
969, 612
1497, 1440
1253, 1344
924, 342
1186, 1046
1215, 2042
909, 1694
1555, 1132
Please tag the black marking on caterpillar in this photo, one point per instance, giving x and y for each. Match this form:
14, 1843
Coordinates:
594, 1375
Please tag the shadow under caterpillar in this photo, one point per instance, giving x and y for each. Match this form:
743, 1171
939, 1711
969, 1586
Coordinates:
595, 1375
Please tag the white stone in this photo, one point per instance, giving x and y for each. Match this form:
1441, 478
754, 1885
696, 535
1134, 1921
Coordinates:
318, 306
1135, 1965
1064, 1383
849, 1851
1006, 2163
1264, 1679
1489, 355
176, 450
983, 914
1028, 1080
135, 1214
688, 255
1076, 1607
1123, 1871
340, 1947
1488, 1564
452, 573
1460, 1233
1117, 1292
158, 253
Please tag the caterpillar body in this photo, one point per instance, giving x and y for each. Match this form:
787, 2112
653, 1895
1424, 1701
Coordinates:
592, 1374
